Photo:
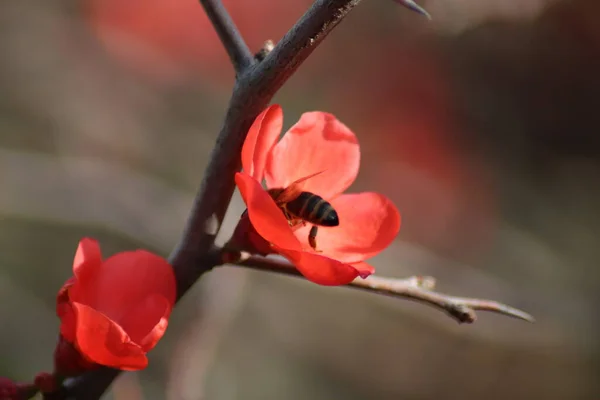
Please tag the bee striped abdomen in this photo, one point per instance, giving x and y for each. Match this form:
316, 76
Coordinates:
313, 209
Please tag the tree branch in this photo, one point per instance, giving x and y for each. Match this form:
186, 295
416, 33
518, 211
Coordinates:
252, 93
254, 89
240, 55
415, 288
299, 43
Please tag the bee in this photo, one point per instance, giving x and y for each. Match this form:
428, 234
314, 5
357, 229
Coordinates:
301, 207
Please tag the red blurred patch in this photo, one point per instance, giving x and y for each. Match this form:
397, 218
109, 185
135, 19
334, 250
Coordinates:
170, 40
415, 145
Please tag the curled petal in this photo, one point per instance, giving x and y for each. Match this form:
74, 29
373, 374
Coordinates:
318, 142
88, 259
369, 222
320, 269
363, 269
86, 266
265, 216
263, 134
152, 338
126, 280
102, 341
147, 322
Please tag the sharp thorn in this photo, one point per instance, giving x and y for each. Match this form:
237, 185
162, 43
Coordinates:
411, 5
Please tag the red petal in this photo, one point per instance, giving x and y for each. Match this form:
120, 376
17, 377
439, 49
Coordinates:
263, 134
246, 238
88, 254
126, 280
64, 310
155, 334
147, 322
369, 222
318, 142
8, 389
86, 264
68, 322
320, 269
266, 217
62, 298
104, 342
364, 269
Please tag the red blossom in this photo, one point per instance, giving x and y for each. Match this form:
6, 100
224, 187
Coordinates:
317, 145
114, 311
8, 389
45, 382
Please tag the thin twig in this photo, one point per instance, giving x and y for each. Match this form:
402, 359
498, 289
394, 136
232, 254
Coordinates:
414, 288
237, 49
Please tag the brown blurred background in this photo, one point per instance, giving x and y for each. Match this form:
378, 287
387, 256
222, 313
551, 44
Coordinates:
481, 125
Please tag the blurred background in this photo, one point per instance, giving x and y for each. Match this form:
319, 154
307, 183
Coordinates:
481, 125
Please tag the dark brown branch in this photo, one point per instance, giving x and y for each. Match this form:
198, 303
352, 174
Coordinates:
413, 288
239, 53
299, 43
253, 91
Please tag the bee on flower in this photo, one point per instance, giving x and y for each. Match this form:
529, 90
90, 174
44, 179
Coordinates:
304, 214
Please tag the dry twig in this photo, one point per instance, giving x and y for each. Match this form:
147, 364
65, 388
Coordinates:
417, 288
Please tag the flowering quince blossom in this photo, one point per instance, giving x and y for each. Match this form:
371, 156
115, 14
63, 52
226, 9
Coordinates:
322, 146
113, 311
8, 388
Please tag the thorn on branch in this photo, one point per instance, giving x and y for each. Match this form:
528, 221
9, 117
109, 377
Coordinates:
411, 5
264, 50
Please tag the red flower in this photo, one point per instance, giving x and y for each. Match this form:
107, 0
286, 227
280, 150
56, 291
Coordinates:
8, 389
325, 155
114, 311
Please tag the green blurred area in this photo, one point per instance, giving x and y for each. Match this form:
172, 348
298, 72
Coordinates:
480, 125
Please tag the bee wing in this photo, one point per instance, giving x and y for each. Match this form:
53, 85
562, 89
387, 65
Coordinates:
294, 189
